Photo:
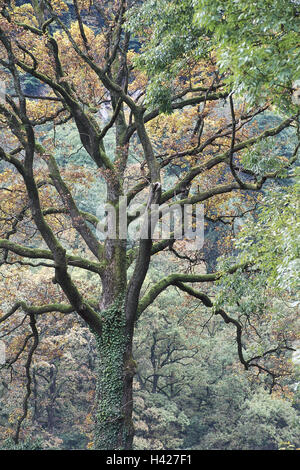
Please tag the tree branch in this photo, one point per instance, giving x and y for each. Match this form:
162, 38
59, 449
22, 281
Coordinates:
37, 253
174, 279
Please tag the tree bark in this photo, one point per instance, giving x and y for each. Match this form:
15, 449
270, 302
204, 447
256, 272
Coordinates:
115, 372
116, 368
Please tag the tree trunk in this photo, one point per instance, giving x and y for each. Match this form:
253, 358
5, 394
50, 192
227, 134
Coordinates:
116, 368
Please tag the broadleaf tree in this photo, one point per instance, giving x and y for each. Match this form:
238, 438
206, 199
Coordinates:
150, 73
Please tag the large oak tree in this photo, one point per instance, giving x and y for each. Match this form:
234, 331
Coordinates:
81, 58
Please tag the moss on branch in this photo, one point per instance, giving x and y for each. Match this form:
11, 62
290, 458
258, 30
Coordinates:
37, 253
